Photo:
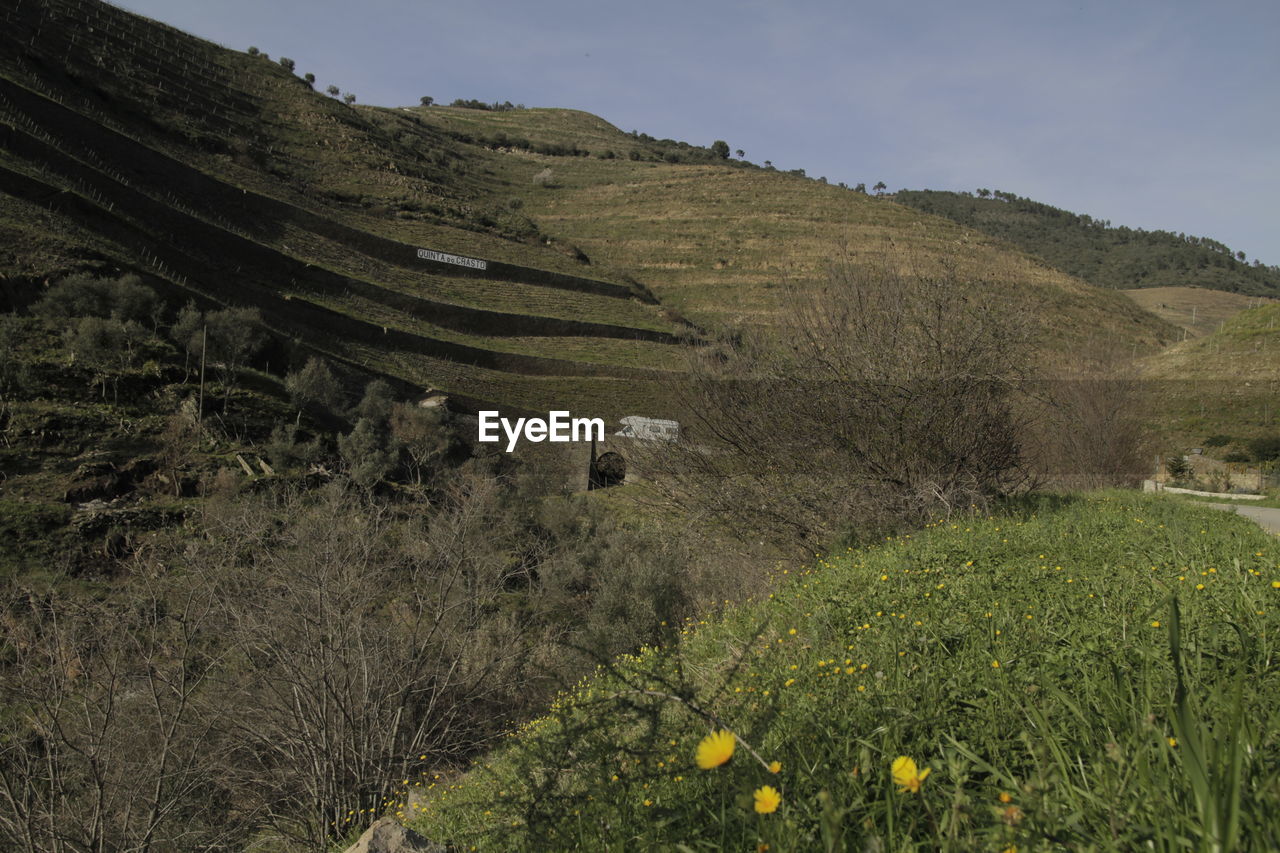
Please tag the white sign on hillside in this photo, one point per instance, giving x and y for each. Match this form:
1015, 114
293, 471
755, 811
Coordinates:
649, 429
446, 258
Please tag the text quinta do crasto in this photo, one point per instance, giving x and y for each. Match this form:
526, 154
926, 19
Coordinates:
558, 427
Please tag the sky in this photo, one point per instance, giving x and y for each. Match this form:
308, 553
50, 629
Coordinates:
1149, 114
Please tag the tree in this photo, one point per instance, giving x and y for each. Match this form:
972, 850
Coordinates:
235, 336
186, 332
309, 79
287, 64
880, 187
720, 148
424, 436
860, 188
740, 153
333, 91
349, 99
253, 51
106, 345
376, 403
882, 401
426, 100
366, 454
314, 387
984, 193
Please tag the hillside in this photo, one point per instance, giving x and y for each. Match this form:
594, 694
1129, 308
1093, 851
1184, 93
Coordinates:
1196, 310
128, 145
715, 241
1095, 251
227, 179
1223, 383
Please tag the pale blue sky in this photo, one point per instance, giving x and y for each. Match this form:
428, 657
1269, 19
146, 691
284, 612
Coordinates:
1150, 114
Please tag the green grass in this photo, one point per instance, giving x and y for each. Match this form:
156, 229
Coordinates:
1036, 662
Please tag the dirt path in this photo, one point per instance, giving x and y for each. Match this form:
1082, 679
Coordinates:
1268, 518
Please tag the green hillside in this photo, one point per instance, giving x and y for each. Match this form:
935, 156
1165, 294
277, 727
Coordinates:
1095, 251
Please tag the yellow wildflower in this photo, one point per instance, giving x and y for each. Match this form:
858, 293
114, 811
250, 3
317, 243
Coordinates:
715, 749
775, 766
767, 799
906, 775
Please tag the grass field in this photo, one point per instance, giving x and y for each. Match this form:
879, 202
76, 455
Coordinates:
1079, 672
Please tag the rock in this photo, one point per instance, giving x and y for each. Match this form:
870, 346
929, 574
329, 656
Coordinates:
389, 836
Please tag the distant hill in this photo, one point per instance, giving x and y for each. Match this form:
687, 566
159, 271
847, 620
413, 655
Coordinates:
1098, 252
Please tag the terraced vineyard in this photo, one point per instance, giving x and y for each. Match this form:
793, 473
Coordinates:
227, 180
716, 241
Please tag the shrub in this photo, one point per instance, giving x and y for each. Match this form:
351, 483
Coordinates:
333, 91
1178, 467
883, 400
1266, 448
287, 64
315, 387
1217, 440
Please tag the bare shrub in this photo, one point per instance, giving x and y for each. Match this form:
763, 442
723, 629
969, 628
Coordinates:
106, 742
883, 399
1087, 430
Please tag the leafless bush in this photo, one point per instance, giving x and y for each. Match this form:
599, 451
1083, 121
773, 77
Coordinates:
883, 399
104, 743
1087, 430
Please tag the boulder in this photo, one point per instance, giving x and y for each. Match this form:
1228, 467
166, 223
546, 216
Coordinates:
390, 836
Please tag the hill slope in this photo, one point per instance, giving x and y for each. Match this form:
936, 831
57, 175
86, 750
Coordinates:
229, 180
1115, 257
714, 239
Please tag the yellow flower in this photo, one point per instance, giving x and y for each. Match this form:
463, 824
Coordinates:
1005, 797
906, 775
767, 800
775, 766
715, 749
1173, 741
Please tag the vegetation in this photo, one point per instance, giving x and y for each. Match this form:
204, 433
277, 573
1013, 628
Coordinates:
1116, 257
1069, 673
876, 404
